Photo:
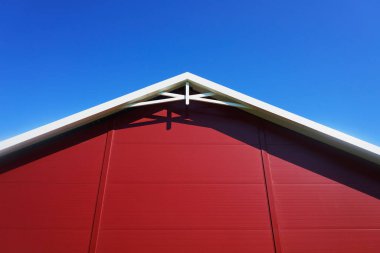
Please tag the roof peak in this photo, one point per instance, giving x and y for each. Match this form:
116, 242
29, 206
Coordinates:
254, 106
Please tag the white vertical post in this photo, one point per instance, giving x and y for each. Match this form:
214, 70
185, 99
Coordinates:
187, 95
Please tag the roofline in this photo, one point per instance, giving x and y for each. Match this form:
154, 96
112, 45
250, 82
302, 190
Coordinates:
296, 123
259, 108
86, 116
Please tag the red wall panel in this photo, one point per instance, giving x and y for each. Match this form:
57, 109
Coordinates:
185, 206
185, 241
325, 200
171, 163
21, 240
199, 190
330, 240
48, 194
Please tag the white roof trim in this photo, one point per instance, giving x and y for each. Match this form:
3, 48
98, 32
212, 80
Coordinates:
269, 112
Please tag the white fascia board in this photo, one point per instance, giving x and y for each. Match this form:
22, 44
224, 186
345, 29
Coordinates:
264, 110
295, 122
78, 119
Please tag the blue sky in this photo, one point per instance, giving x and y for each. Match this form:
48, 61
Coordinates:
318, 59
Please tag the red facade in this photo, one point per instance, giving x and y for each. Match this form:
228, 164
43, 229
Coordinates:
172, 178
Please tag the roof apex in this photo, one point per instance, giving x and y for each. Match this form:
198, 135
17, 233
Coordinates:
259, 108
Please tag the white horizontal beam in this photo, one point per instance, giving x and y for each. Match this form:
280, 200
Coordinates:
202, 95
197, 97
152, 102
173, 95
218, 102
187, 98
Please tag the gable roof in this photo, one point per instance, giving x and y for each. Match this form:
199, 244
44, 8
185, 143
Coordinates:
256, 107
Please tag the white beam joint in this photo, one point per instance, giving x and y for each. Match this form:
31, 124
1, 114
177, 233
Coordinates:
187, 95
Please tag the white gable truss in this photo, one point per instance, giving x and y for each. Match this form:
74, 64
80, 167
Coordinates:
221, 94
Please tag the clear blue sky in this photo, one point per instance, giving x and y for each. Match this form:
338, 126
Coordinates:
318, 59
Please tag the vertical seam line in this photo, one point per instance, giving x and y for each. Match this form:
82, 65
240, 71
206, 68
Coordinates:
101, 191
269, 190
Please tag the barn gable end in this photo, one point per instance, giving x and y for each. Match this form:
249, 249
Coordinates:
178, 177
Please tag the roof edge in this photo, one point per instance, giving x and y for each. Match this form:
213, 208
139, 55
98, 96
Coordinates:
295, 122
86, 116
259, 108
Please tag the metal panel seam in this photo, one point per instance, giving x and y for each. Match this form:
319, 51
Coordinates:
269, 190
101, 190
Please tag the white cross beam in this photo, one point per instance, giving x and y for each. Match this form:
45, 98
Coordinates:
202, 97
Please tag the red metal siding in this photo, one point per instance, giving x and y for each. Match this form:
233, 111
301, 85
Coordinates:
326, 201
48, 194
200, 189
170, 179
